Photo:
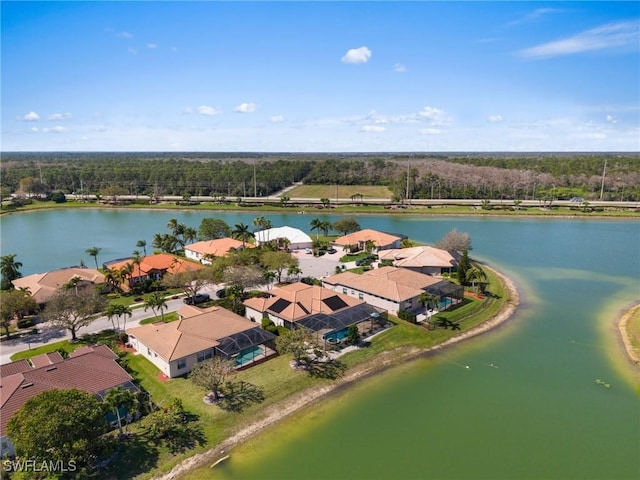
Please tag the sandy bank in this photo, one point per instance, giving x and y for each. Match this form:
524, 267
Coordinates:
632, 353
277, 412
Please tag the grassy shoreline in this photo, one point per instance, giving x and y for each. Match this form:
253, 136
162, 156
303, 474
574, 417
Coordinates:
402, 343
439, 210
629, 330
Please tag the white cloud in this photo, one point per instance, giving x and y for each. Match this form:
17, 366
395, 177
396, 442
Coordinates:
373, 128
611, 119
611, 35
494, 118
56, 117
276, 119
187, 110
152, 45
246, 108
132, 51
209, 111
31, 117
35, 129
357, 55
57, 129
400, 68
124, 35
430, 131
433, 115
532, 16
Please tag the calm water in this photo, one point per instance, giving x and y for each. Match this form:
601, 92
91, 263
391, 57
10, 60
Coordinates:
528, 406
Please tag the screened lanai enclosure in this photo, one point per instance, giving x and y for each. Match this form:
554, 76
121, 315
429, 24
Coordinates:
332, 328
447, 293
247, 347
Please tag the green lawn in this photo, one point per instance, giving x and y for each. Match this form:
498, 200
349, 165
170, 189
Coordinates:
343, 191
107, 336
168, 317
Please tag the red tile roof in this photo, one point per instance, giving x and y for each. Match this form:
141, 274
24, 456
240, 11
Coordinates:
93, 371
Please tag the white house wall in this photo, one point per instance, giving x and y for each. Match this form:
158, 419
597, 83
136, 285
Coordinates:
385, 303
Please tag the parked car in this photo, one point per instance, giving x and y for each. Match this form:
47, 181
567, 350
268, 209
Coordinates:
221, 293
198, 298
331, 250
308, 251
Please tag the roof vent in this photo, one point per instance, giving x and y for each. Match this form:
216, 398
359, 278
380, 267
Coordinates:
50, 369
27, 385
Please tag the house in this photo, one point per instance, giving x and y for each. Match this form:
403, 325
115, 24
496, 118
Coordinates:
359, 239
91, 369
204, 251
43, 286
393, 288
285, 237
200, 334
152, 267
423, 259
316, 308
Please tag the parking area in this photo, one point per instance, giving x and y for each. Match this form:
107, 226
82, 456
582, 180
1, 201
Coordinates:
319, 267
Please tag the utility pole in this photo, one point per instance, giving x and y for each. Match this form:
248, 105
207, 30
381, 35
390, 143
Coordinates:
604, 172
255, 188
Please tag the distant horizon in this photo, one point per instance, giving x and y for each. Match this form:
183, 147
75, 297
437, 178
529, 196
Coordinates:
331, 77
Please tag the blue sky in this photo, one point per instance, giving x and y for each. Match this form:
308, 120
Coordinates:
320, 76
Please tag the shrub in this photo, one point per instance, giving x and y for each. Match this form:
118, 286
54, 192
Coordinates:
25, 322
58, 197
408, 316
123, 338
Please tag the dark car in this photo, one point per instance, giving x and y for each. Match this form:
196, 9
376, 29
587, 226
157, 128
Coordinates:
331, 250
198, 298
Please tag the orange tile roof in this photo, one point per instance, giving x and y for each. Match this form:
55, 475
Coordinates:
195, 332
379, 239
160, 261
218, 247
303, 300
44, 285
396, 284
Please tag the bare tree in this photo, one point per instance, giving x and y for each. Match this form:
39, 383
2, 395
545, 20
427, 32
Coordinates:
71, 310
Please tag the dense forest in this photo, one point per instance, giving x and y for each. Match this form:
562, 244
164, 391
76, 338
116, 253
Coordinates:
512, 176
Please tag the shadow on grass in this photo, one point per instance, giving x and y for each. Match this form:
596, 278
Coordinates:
135, 454
330, 369
239, 395
186, 436
446, 324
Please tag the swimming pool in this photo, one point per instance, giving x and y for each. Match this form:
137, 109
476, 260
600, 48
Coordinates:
249, 354
335, 337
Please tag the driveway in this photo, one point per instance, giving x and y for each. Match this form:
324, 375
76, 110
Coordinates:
319, 267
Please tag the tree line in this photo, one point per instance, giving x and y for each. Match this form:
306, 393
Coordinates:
525, 176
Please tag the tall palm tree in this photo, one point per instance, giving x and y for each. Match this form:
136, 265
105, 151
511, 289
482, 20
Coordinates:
325, 226
316, 224
190, 234
117, 311
242, 232
142, 244
156, 301
10, 270
93, 252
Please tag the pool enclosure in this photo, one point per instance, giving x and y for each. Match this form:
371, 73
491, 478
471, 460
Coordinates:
332, 328
247, 347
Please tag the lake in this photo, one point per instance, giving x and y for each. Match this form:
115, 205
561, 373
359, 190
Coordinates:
527, 407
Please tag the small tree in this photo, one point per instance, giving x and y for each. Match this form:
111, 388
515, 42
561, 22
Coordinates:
278, 262
212, 374
353, 335
464, 265
59, 426
165, 421
71, 310
346, 225
296, 342
14, 304
455, 241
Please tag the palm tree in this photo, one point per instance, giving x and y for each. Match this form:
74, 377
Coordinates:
316, 224
476, 274
242, 232
156, 301
10, 270
190, 234
118, 398
325, 226
117, 311
93, 252
142, 244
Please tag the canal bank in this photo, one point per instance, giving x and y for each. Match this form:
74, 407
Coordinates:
377, 365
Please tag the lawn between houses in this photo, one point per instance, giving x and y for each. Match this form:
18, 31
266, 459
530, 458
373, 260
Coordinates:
144, 458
